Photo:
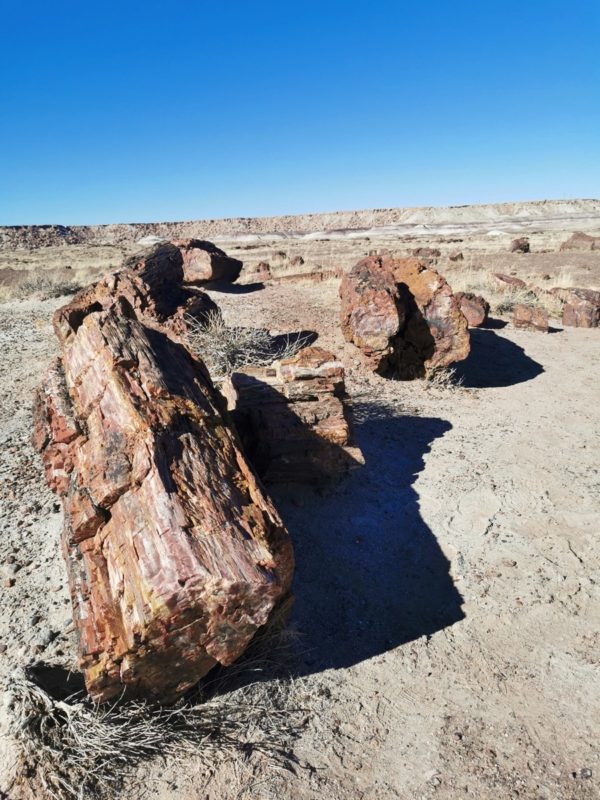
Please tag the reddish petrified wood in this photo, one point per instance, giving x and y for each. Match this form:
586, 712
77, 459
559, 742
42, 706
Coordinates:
509, 282
531, 318
581, 241
582, 307
403, 316
292, 418
474, 307
520, 245
372, 312
176, 555
204, 262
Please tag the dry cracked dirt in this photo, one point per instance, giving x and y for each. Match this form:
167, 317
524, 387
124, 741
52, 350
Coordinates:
447, 615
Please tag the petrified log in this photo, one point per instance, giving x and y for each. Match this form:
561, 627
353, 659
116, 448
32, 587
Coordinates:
403, 316
372, 311
204, 262
153, 284
520, 245
508, 282
531, 318
474, 307
581, 307
292, 418
175, 554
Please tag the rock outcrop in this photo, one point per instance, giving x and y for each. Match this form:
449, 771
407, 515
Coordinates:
176, 556
474, 307
403, 316
531, 318
292, 418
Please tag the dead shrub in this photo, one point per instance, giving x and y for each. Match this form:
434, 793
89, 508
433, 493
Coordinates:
43, 288
226, 348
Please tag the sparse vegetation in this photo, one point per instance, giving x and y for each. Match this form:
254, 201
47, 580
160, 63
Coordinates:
43, 288
225, 348
443, 378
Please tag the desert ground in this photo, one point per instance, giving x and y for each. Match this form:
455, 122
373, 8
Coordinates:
445, 636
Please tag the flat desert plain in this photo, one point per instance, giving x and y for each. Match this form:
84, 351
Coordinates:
445, 637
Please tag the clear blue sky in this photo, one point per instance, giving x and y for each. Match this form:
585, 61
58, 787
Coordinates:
147, 111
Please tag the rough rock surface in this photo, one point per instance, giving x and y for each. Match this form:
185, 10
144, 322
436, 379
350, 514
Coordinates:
175, 554
520, 245
153, 284
581, 307
474, 307
403, 316
581, 241
456, 255
531, 318
204, 262
292, 418
372, 312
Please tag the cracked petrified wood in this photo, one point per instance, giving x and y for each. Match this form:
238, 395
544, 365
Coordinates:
293, 420
176, 556
403, 316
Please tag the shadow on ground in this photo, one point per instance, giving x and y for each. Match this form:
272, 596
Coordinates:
370, 574
495, 361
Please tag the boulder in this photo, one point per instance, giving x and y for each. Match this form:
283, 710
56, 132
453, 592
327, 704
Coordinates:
520, 245
175, 554
581, 308
403, 316
293, 420
204, 262
456, 255
474, 307
530, 318
259, 273
581, 241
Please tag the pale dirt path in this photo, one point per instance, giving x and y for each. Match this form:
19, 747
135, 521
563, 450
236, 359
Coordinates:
447, 593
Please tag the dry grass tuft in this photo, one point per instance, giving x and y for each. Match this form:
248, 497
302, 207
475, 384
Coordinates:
225, 348
445, 378
43, 288
73, 749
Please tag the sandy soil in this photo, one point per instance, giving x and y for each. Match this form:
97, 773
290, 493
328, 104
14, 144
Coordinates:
447, 601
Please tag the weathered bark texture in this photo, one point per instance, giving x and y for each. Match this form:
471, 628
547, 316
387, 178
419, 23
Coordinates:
292, 419
176, 555
474, 307
403, 316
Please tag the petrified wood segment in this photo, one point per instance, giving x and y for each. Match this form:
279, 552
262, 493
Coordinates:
403, 316
531, 318
474, 307
176, 555
204, 262
152, 282
292, 418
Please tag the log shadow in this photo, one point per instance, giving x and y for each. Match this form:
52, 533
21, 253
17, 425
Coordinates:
226, 287
494, 362
370, 575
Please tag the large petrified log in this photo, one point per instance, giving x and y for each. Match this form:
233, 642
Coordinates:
292, 418
403, 316
581, 307
176, 556
204, 262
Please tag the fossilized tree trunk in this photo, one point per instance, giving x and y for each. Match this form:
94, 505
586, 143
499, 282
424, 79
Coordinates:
176, 556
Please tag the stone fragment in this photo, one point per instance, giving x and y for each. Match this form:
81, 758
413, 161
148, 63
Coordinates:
429, 253
293, 420
581, 307
509, 282
456, 255
474, 307
204, 262
530, 318
175, 554
260, 273
520, 245
403, 316
581, 241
